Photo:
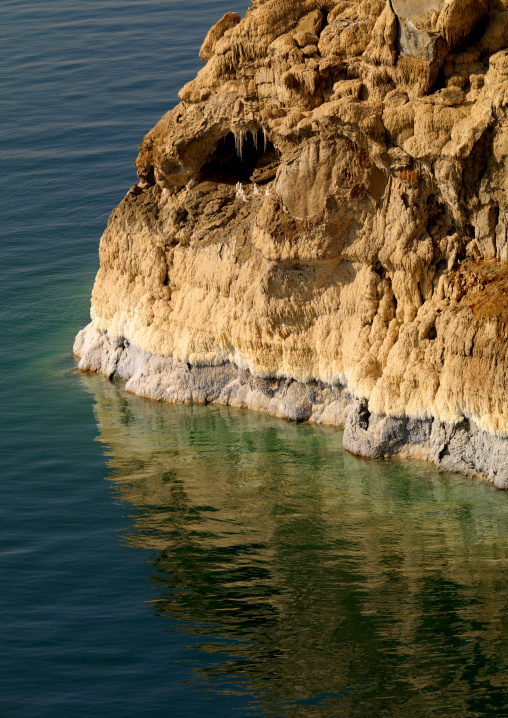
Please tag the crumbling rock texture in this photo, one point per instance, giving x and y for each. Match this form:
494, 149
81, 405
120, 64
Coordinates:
320, 229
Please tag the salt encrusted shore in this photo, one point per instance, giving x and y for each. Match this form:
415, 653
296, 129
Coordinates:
463, 447
327, 206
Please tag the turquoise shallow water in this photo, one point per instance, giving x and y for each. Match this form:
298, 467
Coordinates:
195, 561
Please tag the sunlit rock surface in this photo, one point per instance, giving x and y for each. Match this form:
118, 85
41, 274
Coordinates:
320, 230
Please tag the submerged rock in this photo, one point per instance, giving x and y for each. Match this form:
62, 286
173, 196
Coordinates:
320, 230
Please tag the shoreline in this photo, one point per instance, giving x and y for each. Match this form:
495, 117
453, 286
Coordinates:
462, 447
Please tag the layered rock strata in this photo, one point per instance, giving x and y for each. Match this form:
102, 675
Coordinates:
320, 230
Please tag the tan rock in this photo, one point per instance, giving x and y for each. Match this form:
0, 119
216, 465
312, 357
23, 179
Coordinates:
328, 203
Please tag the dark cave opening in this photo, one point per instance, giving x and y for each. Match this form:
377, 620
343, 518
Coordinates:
380, 270
246, 157
364, 417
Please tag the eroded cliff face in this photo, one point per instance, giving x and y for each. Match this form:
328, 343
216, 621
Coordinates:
320, 229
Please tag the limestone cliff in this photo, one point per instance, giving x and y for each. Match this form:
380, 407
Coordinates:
320, 229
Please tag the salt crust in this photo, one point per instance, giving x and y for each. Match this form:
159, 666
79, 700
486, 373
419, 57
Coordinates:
326, 211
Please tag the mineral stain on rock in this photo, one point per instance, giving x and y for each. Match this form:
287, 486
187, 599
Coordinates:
320, 230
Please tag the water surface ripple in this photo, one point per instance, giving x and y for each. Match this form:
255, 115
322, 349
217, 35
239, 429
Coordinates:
316, 581
195, 561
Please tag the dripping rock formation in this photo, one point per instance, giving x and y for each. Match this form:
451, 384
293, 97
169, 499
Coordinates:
320, 230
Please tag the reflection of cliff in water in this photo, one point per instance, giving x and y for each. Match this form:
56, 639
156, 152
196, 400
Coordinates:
355, 585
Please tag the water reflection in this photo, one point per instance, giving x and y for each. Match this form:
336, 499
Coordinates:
316, 582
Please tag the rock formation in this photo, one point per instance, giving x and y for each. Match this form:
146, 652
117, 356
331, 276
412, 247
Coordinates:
320, 230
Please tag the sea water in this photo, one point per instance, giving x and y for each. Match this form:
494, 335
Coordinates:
195, 561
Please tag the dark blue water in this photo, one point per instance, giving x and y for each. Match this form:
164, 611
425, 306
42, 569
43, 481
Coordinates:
195, 561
